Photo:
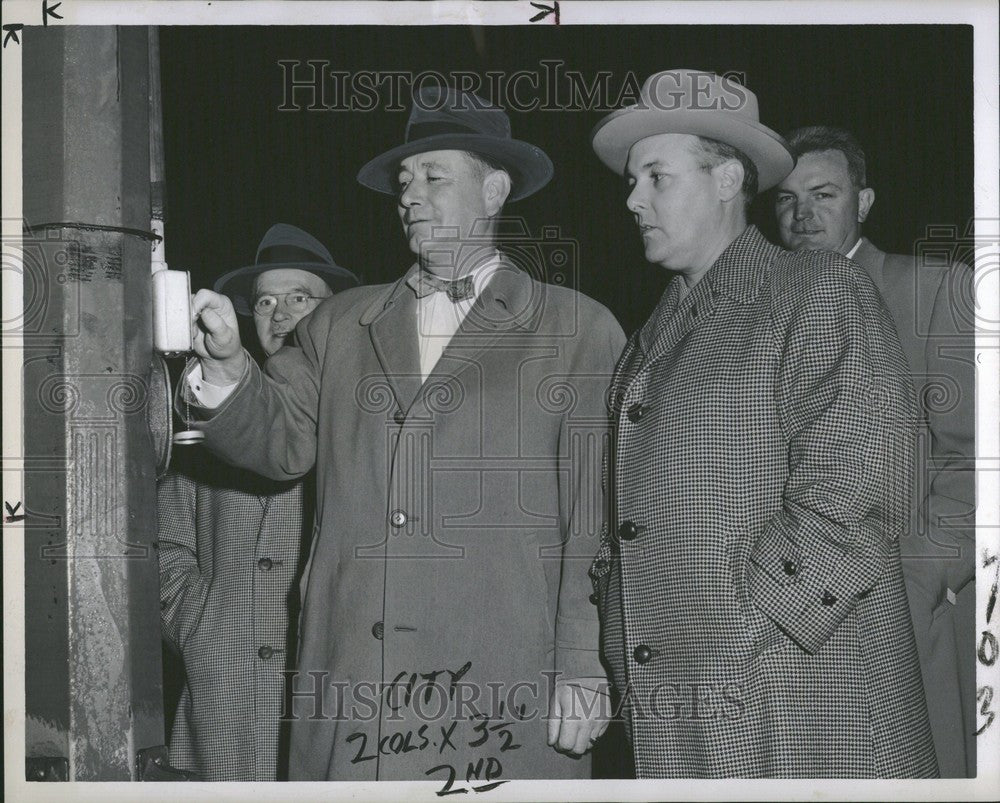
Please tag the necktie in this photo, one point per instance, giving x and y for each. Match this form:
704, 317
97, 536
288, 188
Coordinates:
423, 284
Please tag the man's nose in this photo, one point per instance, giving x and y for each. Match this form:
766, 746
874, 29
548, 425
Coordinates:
281, 310
803, 210
634, 201
410, 195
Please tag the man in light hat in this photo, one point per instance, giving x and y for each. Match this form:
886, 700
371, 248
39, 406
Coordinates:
750, 589
456, 419
823, 203
230, 551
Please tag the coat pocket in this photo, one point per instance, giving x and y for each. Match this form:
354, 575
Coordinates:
760, 634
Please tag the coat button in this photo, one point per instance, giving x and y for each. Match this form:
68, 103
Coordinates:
264, 564
399, 416
378, 630
828, 599
265, 652
397, 518
628, 530
642, 654
637, 411
789, 567
593, 598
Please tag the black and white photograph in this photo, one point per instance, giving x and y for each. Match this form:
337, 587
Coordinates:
517, 400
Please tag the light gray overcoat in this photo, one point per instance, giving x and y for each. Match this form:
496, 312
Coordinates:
456, 520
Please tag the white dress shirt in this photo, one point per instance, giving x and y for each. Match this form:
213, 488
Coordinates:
853, 251
438, 317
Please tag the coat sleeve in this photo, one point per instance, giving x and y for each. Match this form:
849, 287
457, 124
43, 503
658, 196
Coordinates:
577, 626
845, 406
268, 423
183, 586
947, 487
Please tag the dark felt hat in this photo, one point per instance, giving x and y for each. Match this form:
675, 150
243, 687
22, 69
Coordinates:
442, 119
283, 246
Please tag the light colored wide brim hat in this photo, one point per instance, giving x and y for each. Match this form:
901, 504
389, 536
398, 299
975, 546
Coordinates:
283, 246
700, 103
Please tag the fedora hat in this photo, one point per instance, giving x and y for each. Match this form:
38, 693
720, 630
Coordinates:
283, 246
699, 103
443, 118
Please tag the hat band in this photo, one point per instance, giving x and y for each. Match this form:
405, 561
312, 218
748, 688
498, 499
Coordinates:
418, 131
279, 254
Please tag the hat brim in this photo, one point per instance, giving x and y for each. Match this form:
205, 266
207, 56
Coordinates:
529, 166
238, 284
614, 136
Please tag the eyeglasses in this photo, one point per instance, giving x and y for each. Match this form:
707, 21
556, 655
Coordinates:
295, 302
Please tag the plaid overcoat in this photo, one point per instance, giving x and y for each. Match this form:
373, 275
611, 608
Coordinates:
456, 521
231, 549
752, 604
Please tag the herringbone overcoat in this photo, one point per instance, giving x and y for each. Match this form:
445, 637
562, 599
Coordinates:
232, 546
456, 522
753, 607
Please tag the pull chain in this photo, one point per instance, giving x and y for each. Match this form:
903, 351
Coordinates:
188, 436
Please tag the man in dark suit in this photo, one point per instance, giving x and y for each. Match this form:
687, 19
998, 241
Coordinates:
823, 203
456, 419
231, 547
750, 589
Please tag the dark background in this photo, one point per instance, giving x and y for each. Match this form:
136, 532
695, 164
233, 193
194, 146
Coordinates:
235, 164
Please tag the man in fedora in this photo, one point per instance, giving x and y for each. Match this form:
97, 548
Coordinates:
823, 203
750, 589
230, 550
456, 419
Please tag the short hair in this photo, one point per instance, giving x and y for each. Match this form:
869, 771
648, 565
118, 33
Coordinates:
481, 165
813, 138
712, 153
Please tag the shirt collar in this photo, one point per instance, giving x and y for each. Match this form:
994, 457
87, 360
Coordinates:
481, 274
853, 251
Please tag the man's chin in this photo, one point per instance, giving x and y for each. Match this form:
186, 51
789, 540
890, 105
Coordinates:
808, 242
274, 343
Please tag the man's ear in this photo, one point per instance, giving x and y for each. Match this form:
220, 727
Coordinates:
730, 179
496, 188
866, 198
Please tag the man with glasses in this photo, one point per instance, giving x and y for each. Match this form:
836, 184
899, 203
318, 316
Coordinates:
230, 550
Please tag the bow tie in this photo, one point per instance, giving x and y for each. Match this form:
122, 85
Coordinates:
423, 284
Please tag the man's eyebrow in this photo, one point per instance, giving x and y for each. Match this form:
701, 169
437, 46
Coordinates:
428, 165
299, 288
815, 187
648, 166
435, 166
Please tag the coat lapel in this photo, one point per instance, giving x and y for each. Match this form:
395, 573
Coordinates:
737, 275
509, 303
873, 261
392, 325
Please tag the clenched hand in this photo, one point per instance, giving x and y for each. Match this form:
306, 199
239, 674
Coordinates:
216, 337
577, 718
